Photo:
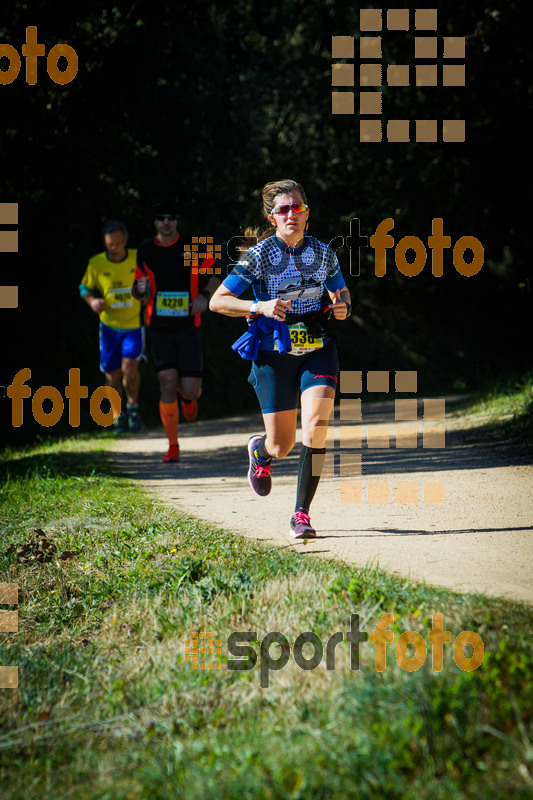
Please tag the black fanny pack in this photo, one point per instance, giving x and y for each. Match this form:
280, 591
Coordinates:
318, 323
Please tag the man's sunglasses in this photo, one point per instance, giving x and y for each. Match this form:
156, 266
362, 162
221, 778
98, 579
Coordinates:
164, 217
296, 207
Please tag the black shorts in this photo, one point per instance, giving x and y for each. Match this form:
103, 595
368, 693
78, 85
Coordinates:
279, 379
181, 351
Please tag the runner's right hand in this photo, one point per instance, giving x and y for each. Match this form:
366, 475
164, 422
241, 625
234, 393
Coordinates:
97, 305
141, 285
275, 308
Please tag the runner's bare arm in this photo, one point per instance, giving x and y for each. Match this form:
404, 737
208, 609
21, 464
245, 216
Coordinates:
96, 303
226, 302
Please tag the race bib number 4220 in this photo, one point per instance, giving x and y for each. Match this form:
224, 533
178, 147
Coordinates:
172, 304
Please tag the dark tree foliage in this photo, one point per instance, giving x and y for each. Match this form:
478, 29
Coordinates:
209, 101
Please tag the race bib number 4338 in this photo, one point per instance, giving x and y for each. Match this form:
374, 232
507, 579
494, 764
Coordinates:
172, 304
301, 340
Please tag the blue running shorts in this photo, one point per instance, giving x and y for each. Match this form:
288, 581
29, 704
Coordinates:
279, 379
116, 345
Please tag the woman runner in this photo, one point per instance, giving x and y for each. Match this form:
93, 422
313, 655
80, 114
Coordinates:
288, 340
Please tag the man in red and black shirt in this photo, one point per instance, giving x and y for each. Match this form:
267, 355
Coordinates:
169, 286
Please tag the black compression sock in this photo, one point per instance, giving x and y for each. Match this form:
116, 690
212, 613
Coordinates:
307, 482
260, 449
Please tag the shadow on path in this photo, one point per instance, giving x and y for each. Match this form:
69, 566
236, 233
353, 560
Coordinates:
222, 457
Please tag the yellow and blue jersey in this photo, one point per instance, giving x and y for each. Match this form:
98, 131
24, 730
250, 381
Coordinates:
113, 280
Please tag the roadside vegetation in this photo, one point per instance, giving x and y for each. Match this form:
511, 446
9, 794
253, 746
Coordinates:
112, 584
504, 408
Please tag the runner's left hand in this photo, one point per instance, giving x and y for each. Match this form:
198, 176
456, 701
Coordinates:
338, 306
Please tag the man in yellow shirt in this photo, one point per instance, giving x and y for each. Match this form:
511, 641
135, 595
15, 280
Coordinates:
106, 288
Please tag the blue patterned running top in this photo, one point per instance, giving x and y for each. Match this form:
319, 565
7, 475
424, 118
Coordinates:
298, 274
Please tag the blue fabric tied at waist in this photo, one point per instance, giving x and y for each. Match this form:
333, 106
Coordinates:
247, 345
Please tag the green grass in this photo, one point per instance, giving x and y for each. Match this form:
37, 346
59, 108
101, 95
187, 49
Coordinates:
108, 708
504, 408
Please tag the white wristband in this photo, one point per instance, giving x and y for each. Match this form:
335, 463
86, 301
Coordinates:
253, 307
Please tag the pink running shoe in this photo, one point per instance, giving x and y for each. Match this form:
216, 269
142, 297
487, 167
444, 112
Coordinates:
258, 474
301, 526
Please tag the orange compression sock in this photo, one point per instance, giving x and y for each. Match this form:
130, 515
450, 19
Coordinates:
169, 417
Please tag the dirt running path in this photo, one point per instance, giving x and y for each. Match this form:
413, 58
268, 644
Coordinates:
479, 539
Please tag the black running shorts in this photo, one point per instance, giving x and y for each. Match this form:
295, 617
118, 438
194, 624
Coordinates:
181, 351
279, 379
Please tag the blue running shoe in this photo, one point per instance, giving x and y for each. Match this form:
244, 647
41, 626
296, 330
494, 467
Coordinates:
135, 422
120, 425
